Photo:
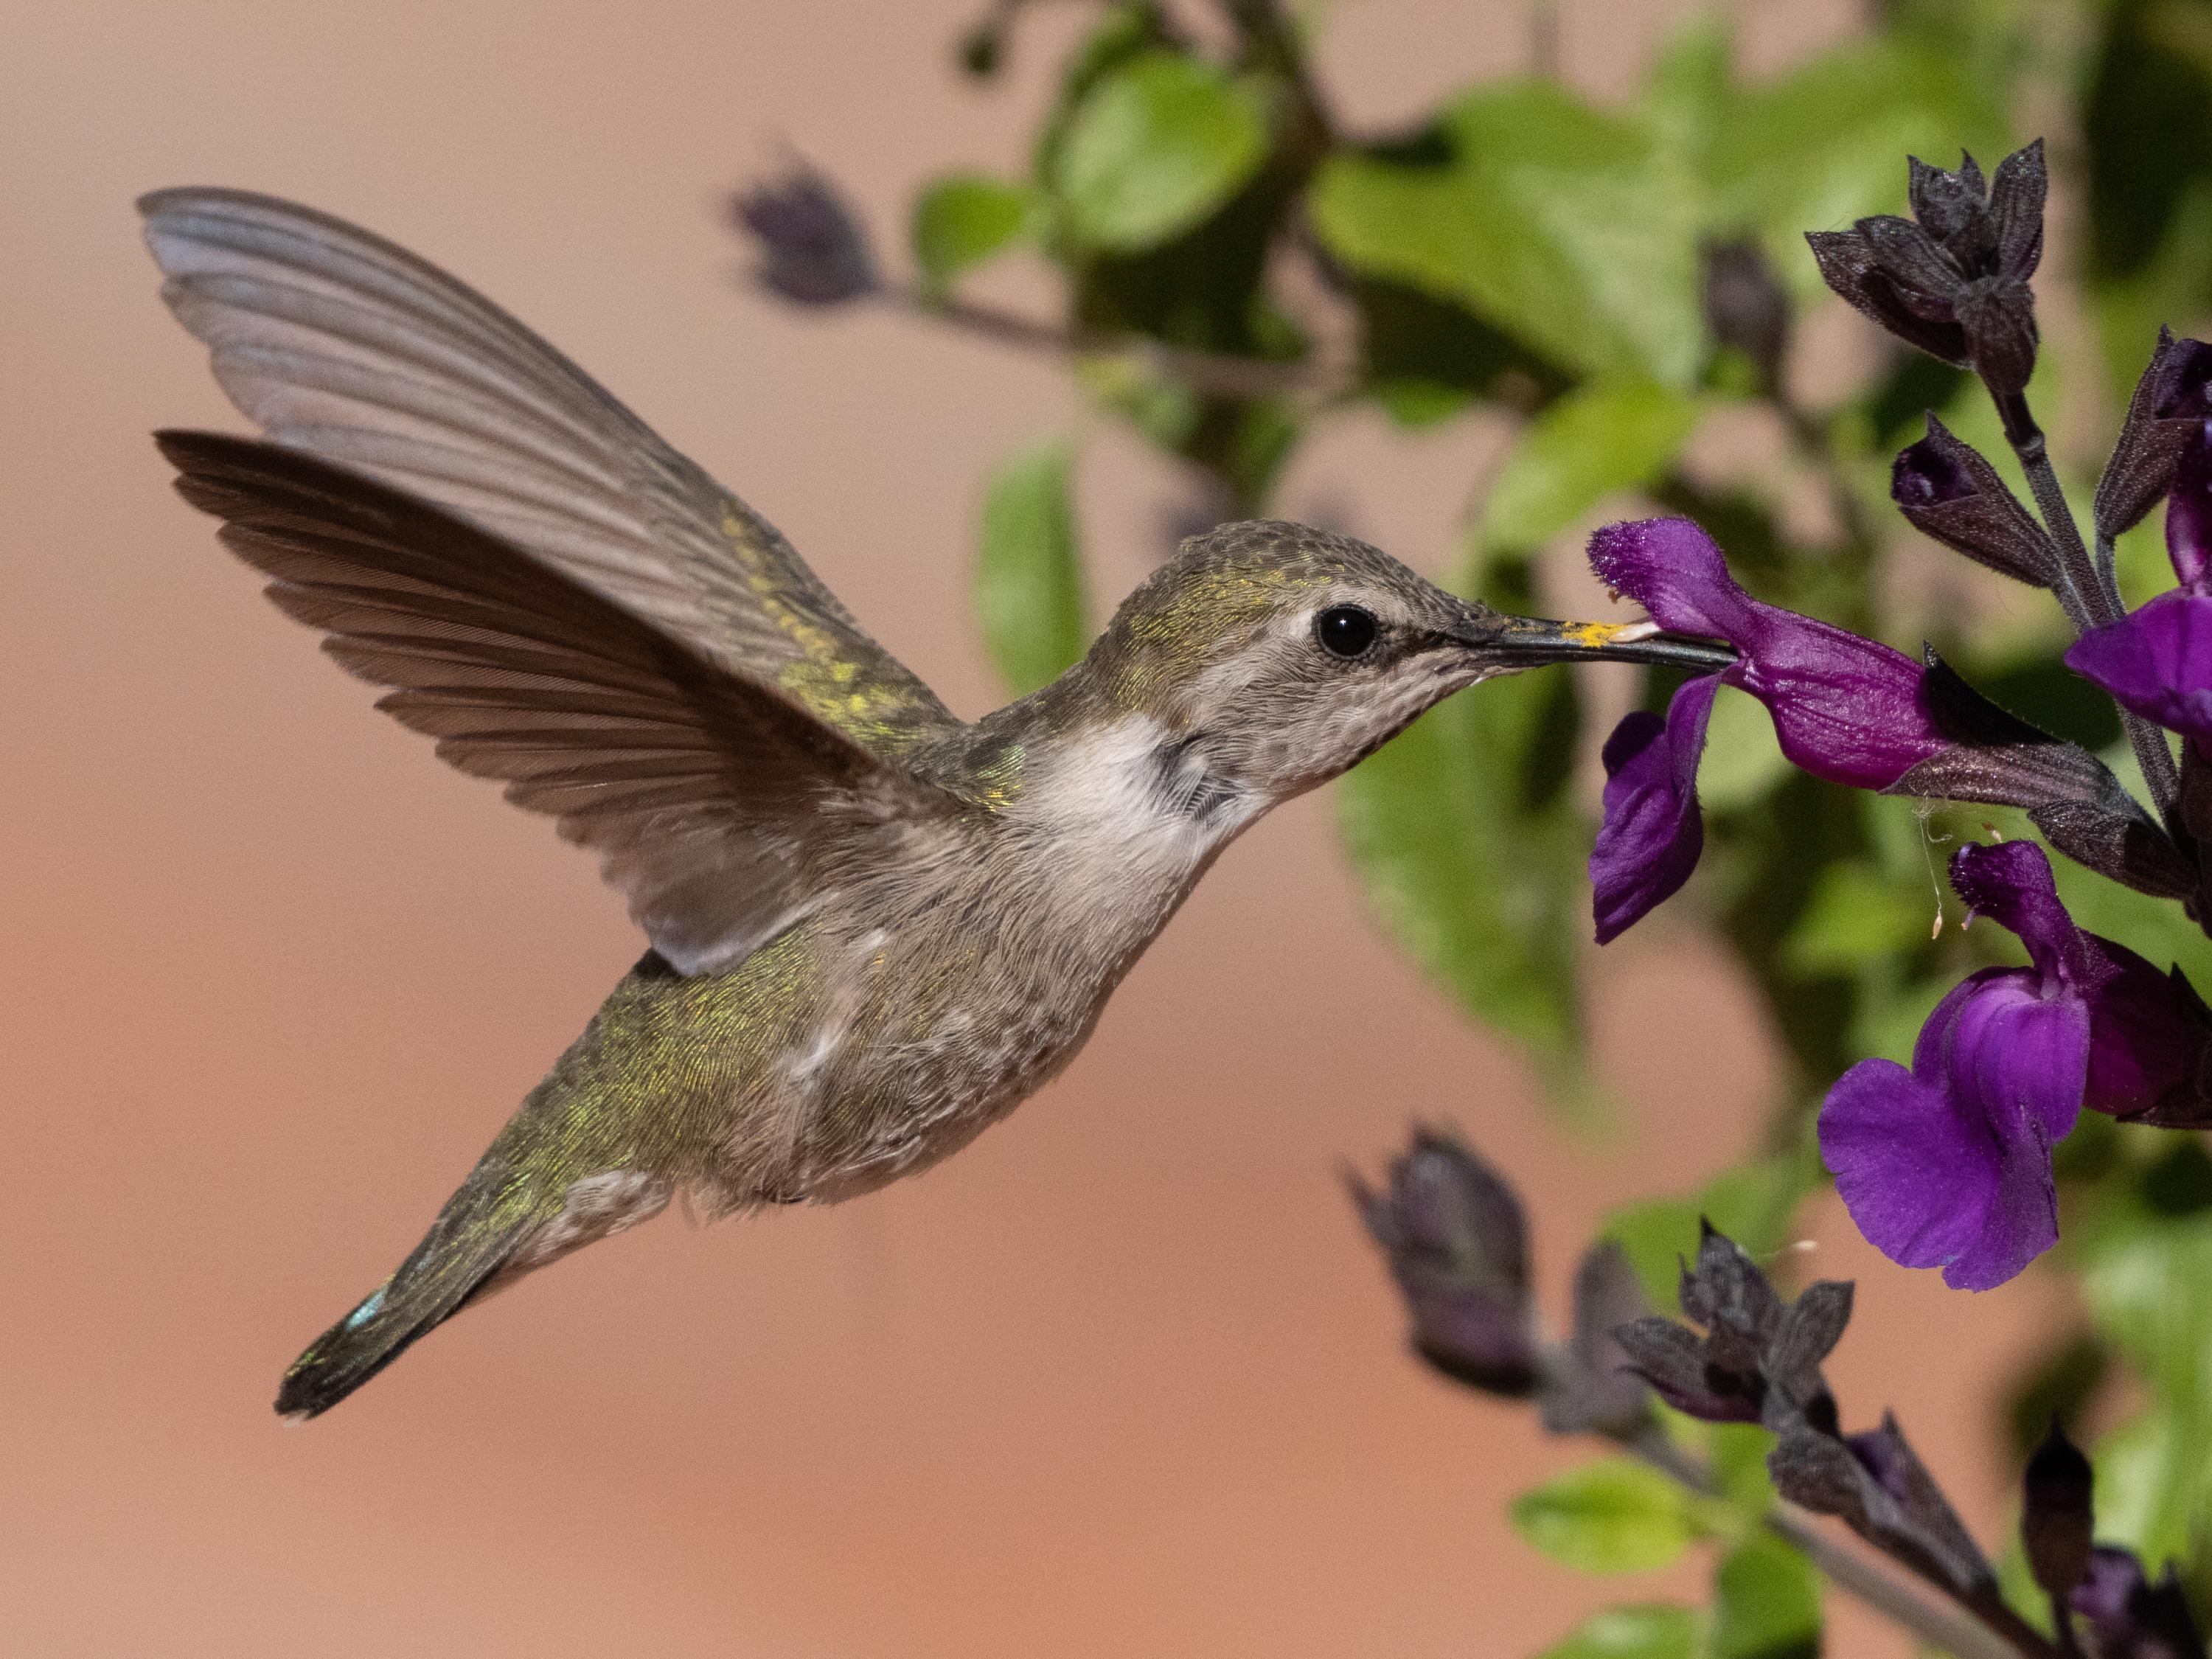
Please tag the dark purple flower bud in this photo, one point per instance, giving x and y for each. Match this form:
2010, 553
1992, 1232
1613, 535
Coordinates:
1672, 1360
1949, 1164
812, 250
1923, 1524
1950, 492
1591, 1385
1746, 308
1459, 1249
2131, 1618
1848, 265
2170, 406
1955, 283
2057, 1514
1876, 1485
1760, 1358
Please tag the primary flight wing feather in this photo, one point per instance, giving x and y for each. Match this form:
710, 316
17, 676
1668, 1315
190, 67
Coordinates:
346, 347
721, 808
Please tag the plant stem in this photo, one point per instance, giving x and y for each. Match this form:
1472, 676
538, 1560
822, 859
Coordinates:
2062, 1620
1937, 1625
2096, 598
1212, 373
2091, 604
1967, 1632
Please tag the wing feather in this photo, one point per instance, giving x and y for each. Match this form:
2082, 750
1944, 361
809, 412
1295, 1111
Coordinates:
347, 348
720, 807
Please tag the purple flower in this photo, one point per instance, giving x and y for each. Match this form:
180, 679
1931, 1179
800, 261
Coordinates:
1652, 835
1949, 1164
1844, 708
1458, 1246
2157, 660
2130, 1616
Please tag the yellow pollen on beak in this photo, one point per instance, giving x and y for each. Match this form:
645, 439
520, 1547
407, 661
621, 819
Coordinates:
1591, 634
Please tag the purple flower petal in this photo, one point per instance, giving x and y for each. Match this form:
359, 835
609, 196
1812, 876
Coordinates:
2148, 1035
2189, 514
2014, 1054
1844, 708
1676, 572
1949, 1165
2011, 884
2157, 661
1917, 1174
1652, 833
2022, 1220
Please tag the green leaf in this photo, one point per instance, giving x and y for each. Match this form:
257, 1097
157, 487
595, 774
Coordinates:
2147, 1282
1743, 760
1766, 1603
1563, 225
1737, 1455
1156, 147
1649, 1629
1030, 589
1826, 144
964, 218
1596, 440
1471, 851
1610, 1516
1856, 914
1688, 89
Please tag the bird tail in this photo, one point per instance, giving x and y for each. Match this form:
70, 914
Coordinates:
476, 1234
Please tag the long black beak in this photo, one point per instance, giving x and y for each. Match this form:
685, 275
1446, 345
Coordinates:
1528, 641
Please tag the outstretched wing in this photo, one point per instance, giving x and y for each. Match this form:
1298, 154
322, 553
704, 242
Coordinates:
345, 347
724, 811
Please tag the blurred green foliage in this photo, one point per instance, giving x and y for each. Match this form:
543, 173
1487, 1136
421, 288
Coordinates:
1527, 255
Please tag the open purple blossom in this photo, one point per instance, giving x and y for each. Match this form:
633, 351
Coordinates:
2157, 660
1844, 708
1949, 1164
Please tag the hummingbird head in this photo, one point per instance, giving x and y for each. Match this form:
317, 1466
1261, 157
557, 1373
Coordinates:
1277, 656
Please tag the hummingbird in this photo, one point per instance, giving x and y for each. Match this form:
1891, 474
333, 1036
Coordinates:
874, 927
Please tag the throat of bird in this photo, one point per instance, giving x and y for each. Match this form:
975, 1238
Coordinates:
1133, 792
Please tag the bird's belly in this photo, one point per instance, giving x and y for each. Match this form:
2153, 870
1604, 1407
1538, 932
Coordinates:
920, 1091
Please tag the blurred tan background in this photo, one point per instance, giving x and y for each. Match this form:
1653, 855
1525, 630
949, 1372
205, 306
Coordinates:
1122, 1379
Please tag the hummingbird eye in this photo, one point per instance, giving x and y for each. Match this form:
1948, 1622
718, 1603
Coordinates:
1345, 630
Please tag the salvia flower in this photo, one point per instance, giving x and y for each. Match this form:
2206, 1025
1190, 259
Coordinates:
812, 250
1844, 708
1952, 279
1949, 1164
2171, 402
1847, 709
2157, 660
1458, 1247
